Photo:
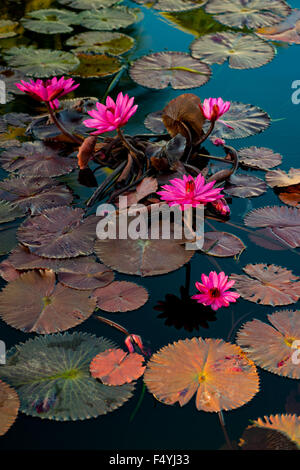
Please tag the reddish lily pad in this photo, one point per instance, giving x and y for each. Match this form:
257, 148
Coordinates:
9, 212
291, 196
177, 69
36, 159
273, 346
117, 367
121, 296
267, 284
33, 303
283, 223
87, 276
59, 233
34, 194
9, 407
287, 31
259, 157
8, 272
222, 244
245, 186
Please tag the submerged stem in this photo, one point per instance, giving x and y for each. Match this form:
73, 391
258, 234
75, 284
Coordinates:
222, 422
113, 324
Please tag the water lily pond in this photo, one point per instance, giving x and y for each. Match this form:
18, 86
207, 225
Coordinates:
111, 112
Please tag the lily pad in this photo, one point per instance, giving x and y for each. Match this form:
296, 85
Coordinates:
267, 284
288, 424
281, 179
121, 296
255, 438
243, 51
177, 69
290, 195
142, 257
287, 31
86, 276
8, 239
34, 303
9, 212
50, 21
23, 260
9, 407
59, 233
154, 122
36, 159
249, 13
107, 19
93, 65
173, 5
283, 223
222, 244
220, 375
245, 119
41, 62
271, 346
241, 185
34, 194
102, 42
88, 4
8, 29
116, 367
57, 384
259, 157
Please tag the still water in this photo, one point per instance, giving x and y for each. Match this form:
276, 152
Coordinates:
157, 426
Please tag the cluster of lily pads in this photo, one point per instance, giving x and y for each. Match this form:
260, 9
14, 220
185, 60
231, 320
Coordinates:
58, 274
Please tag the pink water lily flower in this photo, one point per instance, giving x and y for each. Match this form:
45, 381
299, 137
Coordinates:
214, 290
189, 191
49, 90
112, 115
213, 108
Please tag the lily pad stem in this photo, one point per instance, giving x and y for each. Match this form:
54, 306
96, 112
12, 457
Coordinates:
74, 138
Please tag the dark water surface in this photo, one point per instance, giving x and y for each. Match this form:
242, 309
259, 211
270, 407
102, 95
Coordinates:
157, 426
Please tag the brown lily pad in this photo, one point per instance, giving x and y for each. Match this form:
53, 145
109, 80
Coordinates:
87, 276
288, 424
36, 159
9, 407
177, 69
59, 233
34, 303
121, 296
267, 284
291, 195
222, 244
245, 186
34, 194
283, 223
259, 157
117, 367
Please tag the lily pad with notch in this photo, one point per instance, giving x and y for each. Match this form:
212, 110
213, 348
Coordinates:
108, 19
94, 65
245, 186
117, 367
50, 21
57, 389
177, 69
9, 407
113, 43
121, 296
261, 158
222, 244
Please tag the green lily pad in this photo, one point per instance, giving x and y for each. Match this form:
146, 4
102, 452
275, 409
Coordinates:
245, 119
252, 13
108, 19
88, 4
50, 21
8, 29
102, 42
177, 69
57, 384
94, 65
41, 62
243, 51
9, 212
8, 239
